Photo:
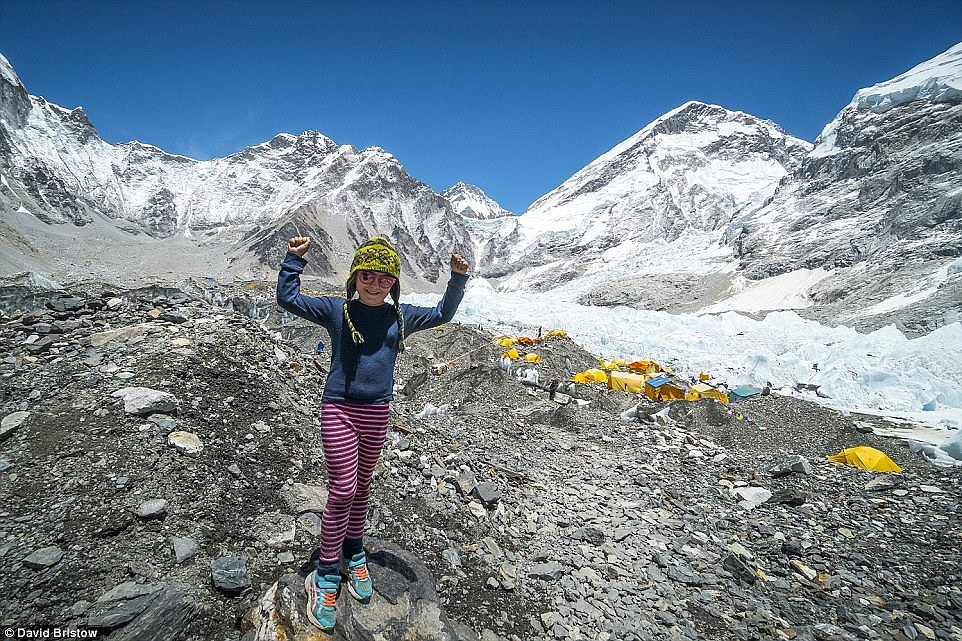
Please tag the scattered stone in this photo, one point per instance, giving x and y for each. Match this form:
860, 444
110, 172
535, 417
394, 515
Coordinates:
184, 548
186, 443
751, 497
44, 557
152, 509
591, 535
11, 422
275, 529
304, 498
549, 571
792, 464
229, 574
145, 401
789, 496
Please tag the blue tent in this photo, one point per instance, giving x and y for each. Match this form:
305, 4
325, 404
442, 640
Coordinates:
657, 381
743, 392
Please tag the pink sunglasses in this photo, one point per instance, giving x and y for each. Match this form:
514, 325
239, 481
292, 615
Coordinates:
383, 280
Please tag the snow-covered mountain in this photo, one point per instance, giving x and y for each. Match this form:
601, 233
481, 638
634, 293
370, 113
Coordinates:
876, 205
703, 210
707, 209
471, 202
56, 169
690, 170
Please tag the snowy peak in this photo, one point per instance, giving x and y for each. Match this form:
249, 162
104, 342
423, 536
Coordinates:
695, 167
936, 80
471, 202
7, 74
14, 100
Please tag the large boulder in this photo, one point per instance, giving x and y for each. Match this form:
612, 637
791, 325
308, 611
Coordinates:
404, 605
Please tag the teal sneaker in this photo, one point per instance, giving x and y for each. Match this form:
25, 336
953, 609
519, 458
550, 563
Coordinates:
321, 597
358, 581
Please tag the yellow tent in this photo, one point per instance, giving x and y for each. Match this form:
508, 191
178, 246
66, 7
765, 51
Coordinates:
701, 390
704, 376
506, 341
867, 458
603, 364
531, 357
632, 383
556, 333
660, 388
512, 354
591, 376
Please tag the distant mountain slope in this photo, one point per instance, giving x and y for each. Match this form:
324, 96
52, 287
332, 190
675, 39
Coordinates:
56, 168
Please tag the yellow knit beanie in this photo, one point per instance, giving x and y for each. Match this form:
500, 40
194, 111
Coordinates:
376, 255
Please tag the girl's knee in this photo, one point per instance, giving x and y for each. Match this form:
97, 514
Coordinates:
342, 492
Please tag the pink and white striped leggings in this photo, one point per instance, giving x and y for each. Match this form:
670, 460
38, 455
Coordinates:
353, 435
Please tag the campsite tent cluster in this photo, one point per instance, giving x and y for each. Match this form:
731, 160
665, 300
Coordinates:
658, 383
655, 381
646, 377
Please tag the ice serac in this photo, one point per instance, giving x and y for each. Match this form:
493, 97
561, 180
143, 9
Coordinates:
694, 168
878, 202
57, 170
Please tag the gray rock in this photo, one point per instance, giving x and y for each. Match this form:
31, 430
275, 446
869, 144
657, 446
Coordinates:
173, 317
152, 509
112, 615
590, 535
789, 496
44, 557
549, 571
789, 465
164, 422
310, 523
304, 498
739, 569
10, 423
161, 614
184, 548
229, 574
405, 605
145, 401
275, 529
488, 493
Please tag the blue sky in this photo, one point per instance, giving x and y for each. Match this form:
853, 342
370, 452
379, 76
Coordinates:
512, 96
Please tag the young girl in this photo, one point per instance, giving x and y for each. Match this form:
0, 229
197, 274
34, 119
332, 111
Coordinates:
366, 336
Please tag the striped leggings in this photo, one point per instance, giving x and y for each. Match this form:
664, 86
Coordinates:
353, 435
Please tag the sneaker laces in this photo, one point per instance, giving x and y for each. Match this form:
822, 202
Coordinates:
361, 572
330, 598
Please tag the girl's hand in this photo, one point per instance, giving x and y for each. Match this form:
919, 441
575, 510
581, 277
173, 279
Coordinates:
458, 264
299, 245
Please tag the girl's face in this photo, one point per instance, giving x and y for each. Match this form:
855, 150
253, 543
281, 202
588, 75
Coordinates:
373, 287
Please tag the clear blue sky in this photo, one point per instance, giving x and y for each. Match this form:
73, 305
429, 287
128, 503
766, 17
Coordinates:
513, 96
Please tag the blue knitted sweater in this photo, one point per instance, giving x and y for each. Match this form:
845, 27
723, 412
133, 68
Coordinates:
362, 373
